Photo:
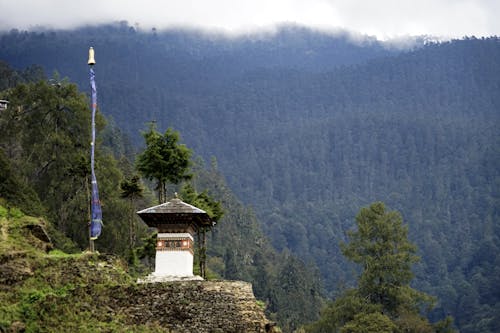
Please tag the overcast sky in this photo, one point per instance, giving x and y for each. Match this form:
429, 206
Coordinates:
381, 18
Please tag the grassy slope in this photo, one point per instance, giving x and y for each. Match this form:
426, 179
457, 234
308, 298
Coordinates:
55, 292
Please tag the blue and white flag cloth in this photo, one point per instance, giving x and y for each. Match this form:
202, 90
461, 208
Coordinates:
96, 211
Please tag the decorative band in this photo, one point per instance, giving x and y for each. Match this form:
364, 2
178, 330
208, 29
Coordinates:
167, 249
174, 244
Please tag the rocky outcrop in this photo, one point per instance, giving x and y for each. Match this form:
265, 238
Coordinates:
38, 231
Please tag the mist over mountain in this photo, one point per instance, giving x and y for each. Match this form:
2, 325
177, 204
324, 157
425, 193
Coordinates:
308, 127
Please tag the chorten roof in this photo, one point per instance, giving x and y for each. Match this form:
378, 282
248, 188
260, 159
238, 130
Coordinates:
174, 212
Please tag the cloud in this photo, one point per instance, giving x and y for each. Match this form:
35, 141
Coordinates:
382, 18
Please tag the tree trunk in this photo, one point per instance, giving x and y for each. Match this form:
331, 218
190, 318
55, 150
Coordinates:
202, 251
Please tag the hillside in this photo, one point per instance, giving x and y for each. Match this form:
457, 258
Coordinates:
50, 177
57, 292
307, 128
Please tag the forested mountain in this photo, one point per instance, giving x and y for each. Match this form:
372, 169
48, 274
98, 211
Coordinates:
309, 127
44, 171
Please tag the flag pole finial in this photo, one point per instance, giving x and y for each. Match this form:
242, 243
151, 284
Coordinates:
91, 56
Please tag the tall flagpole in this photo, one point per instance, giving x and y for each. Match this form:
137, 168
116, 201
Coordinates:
96, 211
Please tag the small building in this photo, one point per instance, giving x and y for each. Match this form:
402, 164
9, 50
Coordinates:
177, 223
3, 104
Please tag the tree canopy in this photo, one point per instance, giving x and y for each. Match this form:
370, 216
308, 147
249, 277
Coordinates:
381, 246
164, 159
383, 300
44, 157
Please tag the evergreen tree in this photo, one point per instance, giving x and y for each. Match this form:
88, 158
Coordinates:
213, 208
383, 300
164, 159
45, 168
369, 323
295, 294
381, 246
131, 189
45, 134
15, 190
203, 201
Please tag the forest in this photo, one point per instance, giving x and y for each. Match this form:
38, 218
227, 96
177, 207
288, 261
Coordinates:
305, 128
45, 172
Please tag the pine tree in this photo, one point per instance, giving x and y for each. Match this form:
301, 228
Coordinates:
164, 159
213, 208
383, 300
381, 246
131, 189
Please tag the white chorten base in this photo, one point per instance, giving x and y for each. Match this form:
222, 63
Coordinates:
173, 263
172, 266
174, 259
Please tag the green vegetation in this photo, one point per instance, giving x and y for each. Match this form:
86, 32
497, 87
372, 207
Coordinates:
381, 246
306, 128
44, 161
45, 292
164, 160
49, 176
238, 250
383, 300
132, 190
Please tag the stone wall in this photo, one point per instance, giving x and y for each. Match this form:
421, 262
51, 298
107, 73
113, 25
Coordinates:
190, 306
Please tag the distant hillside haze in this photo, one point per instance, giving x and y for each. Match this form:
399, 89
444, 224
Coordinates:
184, 55
309, 127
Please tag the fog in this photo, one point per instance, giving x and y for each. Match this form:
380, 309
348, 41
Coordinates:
384, 18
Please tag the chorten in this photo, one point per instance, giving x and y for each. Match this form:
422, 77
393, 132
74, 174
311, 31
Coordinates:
177, 223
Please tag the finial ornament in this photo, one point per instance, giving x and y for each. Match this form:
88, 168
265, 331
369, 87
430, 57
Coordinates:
91, 56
